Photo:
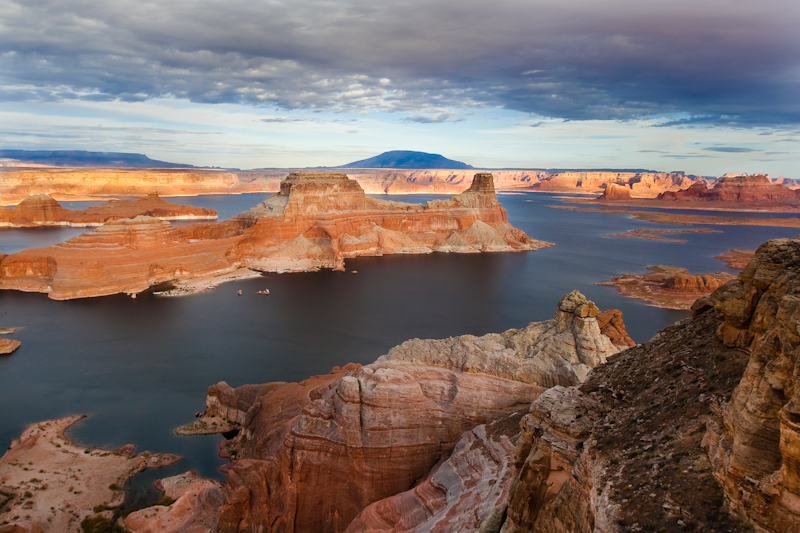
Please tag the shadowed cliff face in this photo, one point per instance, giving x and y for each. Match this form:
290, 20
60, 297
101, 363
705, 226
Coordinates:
317, 220
755, 448
312, 455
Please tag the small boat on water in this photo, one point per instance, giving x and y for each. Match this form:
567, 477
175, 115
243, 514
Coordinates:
265, 291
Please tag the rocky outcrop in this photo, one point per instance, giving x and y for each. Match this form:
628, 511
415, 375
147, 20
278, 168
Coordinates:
312, 455
755, 445
42, 210
83, 183
193, 508
737, 259
614, 191
668, 287
612, 326
622, 452
745, 190
316, 220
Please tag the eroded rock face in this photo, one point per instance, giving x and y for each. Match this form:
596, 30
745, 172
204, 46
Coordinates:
317, 220
612, 326
614, 191
756, 446
755, 189
311, 456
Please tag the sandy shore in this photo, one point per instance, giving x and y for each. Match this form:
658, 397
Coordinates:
698, 205
48, 483
185, 287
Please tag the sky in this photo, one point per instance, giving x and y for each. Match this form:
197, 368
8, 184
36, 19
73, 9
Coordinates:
703, 86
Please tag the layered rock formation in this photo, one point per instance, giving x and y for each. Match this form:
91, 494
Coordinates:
312, 455
756, 190
193, 508
637, 184
754, 445
93, 183
317, 220
612, 326
614, 191
668, 287
42, 210
84, 183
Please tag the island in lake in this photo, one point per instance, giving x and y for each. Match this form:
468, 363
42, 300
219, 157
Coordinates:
316, 220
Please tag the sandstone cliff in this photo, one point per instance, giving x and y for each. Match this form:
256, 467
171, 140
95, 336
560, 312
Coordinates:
312, 455
93, 183
85, 183
615, 191
744, 190
316, 220
42, 210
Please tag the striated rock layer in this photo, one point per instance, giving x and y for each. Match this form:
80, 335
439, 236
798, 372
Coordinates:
311, 456
757, 189
317, 220
42, 210
84, 183
755, 445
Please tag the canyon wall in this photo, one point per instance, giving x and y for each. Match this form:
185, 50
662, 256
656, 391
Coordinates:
85, 183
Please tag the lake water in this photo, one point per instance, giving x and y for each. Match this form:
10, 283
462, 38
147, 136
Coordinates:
141, 367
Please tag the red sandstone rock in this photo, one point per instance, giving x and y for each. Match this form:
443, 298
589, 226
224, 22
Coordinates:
757, 189
668, 287
315, 221
194, 509
612, 326
42, 210
312, 455
614, 191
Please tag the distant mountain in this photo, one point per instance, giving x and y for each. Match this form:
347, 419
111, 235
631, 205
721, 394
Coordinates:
82, 158
407, 159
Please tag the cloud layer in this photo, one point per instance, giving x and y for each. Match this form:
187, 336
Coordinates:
728, 61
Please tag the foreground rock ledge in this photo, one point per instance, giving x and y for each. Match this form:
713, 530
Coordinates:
312, 456
317, 220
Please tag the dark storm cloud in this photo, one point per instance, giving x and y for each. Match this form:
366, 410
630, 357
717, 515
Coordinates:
719, 61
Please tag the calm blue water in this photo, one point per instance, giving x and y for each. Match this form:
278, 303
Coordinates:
141, 367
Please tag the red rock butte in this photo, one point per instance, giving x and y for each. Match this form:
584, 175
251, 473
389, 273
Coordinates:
316, 220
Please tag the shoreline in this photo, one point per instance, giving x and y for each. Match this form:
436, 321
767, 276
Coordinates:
66, 483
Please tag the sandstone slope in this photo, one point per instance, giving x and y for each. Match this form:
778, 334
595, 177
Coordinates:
42, 210
317, 220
